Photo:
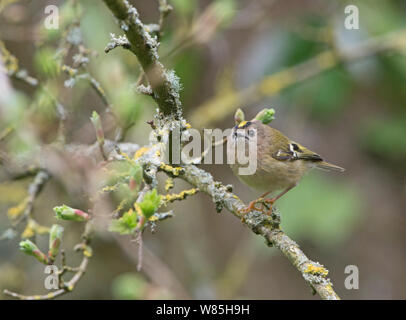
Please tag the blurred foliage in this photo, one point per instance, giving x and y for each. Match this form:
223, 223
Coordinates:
325, 96
184, 7
45, 63
187, 65
381, 16
323, 211
129, 286
225, 10
380, 136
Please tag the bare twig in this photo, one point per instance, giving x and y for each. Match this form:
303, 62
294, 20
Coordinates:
69, 286
164, 83
41, 178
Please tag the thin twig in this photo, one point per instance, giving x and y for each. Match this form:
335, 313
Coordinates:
164, 83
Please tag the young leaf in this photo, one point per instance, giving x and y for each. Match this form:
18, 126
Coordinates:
239, 116
150, 204
67, 213
31, 249
95, 118
125, 224
266, 115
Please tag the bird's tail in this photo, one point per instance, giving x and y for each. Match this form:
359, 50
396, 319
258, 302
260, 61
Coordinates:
328, 166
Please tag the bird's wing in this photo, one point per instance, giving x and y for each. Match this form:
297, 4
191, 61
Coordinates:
291, 151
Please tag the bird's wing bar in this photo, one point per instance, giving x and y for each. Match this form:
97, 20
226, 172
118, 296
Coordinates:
294, 151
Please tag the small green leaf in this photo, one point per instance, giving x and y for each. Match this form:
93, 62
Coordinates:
125, 224
151, 203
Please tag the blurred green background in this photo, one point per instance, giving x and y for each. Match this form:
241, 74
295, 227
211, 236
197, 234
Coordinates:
353, 114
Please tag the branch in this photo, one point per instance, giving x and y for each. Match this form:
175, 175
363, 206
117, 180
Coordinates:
165, 88
268, 227
68, 286
164, 83
65, 287
120, 41
12, 68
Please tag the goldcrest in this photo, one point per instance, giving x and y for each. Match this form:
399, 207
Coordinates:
281, 162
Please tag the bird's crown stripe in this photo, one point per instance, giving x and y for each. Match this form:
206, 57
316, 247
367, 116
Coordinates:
243, 124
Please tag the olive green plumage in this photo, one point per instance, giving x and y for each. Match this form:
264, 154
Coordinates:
281, 162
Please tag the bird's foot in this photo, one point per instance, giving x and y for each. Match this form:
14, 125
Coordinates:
251, 206
268, 204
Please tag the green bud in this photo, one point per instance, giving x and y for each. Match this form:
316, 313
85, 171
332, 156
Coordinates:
266, 115
239, 116
55, 239
150, 203
95, 118
67, 213
31, 249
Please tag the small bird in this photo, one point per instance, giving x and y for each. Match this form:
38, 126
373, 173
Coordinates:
281, 162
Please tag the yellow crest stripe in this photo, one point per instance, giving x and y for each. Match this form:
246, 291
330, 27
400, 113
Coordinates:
242, 124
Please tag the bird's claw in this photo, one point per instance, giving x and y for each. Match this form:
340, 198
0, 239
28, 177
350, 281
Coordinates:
251, 206
266, 203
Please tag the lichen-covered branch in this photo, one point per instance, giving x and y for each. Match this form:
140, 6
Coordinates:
267, 226
12, 68
166, 93
164, 83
